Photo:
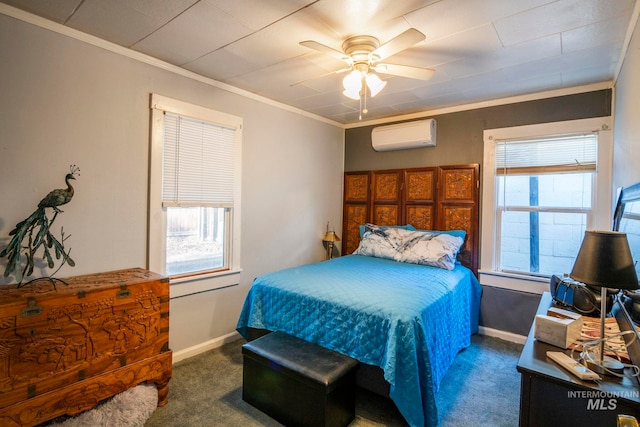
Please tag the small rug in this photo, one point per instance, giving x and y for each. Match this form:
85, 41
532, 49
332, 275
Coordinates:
131, 408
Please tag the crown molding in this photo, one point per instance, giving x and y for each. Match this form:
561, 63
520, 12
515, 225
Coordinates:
141, 57
491, 103
149, 60
627, 41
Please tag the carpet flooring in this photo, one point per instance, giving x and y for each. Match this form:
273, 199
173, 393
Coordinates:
482, 388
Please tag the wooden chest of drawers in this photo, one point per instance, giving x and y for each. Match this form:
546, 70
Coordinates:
64, 350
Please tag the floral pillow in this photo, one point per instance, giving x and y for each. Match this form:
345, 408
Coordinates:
434, 248
363, 227
380, 241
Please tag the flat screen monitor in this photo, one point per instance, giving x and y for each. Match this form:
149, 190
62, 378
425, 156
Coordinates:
626, 218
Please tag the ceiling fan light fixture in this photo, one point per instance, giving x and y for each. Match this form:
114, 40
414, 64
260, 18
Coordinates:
362, 54
375, 84
352, 83
351, 94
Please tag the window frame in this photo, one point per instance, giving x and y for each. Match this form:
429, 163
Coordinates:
602, 197
156, 252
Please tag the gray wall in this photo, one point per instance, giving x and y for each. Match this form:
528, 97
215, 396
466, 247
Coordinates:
626, 169
459, 135
65, 101
459, 141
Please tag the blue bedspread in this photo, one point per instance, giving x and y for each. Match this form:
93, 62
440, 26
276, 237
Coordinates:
410, 320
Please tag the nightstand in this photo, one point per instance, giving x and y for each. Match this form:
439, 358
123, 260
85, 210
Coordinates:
550, 396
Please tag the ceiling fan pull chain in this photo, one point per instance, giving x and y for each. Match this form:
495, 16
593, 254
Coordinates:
364, 95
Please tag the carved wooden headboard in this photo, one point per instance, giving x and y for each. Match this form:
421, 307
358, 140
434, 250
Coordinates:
431, 198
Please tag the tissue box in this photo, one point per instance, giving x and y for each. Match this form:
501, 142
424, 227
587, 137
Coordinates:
558, 327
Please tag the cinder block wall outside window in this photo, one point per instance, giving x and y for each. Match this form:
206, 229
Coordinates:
559, 234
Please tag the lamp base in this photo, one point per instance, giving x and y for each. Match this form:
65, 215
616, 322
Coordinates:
607, 366
599, 362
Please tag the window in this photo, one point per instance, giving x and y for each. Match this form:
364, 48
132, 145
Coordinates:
543, 187
194, 195
196, 240
544, 201
197, 191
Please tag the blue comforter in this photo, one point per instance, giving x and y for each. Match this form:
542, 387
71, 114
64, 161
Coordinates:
410, 320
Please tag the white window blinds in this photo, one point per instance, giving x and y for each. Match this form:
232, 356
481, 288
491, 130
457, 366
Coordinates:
198, 163
559, 154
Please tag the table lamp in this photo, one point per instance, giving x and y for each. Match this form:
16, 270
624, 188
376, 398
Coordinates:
604, 261
328, 239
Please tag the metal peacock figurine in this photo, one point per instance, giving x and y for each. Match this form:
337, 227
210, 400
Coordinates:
36, 229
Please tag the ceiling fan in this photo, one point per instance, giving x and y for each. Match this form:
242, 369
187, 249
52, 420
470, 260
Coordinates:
363, 54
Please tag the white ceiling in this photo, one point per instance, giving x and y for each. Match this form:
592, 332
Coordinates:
481, 49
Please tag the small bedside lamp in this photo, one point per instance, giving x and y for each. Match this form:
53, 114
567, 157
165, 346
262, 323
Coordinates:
605, 261
328, 239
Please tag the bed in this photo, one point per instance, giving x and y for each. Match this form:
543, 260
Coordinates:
409, 319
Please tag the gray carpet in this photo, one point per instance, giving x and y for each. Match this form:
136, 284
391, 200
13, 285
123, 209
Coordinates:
482, 388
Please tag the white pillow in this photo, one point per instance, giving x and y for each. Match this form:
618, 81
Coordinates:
380, 242
432, 248
416, 247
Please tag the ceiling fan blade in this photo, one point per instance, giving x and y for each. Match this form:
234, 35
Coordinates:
405, 71
342, 70
326, 50
397, 44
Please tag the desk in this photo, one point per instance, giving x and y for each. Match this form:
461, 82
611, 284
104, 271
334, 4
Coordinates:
550, 396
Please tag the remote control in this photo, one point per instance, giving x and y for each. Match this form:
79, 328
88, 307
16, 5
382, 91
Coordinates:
572, 366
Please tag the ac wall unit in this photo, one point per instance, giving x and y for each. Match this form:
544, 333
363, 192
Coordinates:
416, 134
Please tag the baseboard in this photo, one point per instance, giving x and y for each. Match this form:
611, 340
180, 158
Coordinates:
205, 346
233, 336
497, 333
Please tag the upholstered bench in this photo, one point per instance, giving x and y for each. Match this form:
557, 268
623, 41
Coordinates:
298, 383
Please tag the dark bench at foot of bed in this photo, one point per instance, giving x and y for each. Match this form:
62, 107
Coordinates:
298, 383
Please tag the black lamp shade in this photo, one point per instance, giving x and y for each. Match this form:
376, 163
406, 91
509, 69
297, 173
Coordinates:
605, 261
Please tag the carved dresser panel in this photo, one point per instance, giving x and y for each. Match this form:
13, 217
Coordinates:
64, 350
420, 197
459, 187
430, 198
386, 199
355, 209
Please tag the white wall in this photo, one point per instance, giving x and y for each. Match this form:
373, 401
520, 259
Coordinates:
68, 102
626, 155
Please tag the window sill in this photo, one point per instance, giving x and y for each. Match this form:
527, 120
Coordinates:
516, 282
204, 282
